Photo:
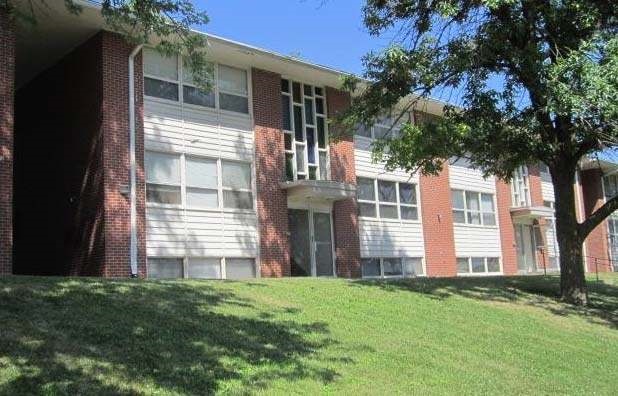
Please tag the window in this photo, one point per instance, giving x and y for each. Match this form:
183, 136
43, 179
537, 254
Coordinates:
201, 268
478, 265
386, 199
162, 178
473, 208
389, 267
160, 75
305, 131
201, 182
162, 268
610, 185
237, 191
544, 173
169, 78
520, 187
384, 128
461, 162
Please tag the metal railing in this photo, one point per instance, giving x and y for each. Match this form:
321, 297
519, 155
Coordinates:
613, 264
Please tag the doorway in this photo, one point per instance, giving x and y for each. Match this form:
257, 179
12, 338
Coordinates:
311, 241
526, 248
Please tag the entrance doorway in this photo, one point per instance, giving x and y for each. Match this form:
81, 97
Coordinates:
311, 240
526, 248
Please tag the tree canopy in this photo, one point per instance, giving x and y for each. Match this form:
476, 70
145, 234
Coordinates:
536, 80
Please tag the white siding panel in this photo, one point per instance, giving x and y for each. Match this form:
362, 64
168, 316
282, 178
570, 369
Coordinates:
471, 180
477, 241
391, 238
201, 233
367, 168
204, 132
547, 189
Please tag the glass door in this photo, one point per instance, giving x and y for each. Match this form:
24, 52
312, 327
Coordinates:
311, 243
323, 245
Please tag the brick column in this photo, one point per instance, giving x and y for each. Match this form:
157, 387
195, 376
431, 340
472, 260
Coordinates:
596, 243
437, 211
345, 212
115, 128
507, 230
7, 97
272, 203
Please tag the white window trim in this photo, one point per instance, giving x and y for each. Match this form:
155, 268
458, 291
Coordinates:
393, 130
304, 125
481, 212
403, 272
520, 185
485, 273
216, 90
220, 188
398, 204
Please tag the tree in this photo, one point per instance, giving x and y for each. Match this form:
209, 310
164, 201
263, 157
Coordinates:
538, 81
167, 22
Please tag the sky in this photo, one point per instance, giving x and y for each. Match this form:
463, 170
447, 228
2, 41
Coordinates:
326, 32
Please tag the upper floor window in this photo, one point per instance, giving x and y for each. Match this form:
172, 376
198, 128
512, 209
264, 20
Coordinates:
206, 183
544, 172
384, 127
168, 78
473, 208
386, 199
610, 186
520, 187
305, 131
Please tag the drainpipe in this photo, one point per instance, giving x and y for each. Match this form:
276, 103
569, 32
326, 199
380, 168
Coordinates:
133, 163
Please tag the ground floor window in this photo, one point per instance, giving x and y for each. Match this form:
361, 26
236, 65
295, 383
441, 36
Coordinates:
478, 265
201, 267
390, 267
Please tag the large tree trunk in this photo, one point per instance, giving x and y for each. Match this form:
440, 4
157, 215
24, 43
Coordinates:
572, 277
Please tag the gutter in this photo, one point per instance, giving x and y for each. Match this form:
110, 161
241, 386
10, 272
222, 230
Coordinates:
133, 163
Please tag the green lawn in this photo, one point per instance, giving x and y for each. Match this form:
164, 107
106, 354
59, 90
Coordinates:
464, 336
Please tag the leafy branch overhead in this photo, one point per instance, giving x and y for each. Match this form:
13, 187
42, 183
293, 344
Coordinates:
540, 77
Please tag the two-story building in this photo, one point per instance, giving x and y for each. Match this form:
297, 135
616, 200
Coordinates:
114, 164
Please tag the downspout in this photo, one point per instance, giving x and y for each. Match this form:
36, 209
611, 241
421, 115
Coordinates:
133, 163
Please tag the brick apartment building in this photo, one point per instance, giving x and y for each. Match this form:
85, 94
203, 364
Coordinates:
242, 181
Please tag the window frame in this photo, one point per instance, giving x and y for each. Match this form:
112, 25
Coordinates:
377, 203
485, 265
466, 211
393, 130
186, 262
183, 184
403, 267
304, 124
520, 185
179, 185
215, 87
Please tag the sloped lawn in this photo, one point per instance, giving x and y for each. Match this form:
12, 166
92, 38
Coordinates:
305, 336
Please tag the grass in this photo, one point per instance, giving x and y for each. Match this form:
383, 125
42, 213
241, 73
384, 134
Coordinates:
305, 336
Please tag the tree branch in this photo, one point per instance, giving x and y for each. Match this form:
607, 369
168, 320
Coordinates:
597, 217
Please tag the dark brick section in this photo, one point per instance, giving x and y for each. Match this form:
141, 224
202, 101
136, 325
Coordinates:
272, 205
115, 125
75, 151
7, 94
437, 212
59, 152
597, 242
345, 213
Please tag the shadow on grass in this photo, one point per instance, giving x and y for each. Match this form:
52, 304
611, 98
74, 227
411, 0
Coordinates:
63, 336
538, 291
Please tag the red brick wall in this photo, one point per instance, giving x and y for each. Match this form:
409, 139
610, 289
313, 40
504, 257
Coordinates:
436, 208
345, 212
115, 127
7, 83
596, 243
536, 193
507, 232
272, 204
